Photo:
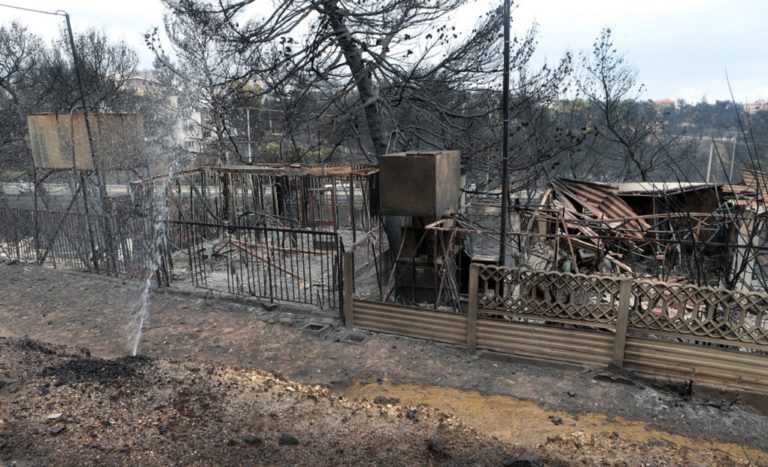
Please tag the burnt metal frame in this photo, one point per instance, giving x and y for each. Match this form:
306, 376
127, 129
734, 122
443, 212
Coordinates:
258, 263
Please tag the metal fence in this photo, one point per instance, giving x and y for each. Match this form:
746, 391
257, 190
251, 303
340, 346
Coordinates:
293, 265
298, 197
126, 246
277, 264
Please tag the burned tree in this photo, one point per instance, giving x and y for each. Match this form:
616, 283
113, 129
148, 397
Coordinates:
19, 54
375, 76
38, 78
632, 137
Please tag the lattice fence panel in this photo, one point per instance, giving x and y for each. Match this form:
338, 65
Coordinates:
708, 312
545, 294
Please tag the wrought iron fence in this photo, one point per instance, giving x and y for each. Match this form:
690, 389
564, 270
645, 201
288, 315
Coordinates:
72, 240
273, 263
277, 264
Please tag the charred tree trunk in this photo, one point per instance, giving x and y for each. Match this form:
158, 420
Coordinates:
362, 77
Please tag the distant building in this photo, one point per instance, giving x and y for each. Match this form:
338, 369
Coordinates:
669, 102
756, 106
140, 85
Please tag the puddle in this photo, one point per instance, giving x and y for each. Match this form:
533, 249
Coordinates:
524, 422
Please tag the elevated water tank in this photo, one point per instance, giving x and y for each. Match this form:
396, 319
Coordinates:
420, 184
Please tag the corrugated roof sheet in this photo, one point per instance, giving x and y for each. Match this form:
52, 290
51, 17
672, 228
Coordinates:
601, 201
652, 188
753, 177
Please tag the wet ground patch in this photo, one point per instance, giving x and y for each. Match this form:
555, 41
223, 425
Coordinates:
81, 370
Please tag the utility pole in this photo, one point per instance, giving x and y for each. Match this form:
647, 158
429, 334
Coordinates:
100, 179
99, 175
709, 165
505, 140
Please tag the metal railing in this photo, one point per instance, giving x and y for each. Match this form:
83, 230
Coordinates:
277, 264
72, 240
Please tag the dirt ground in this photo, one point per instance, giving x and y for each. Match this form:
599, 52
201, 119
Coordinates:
64, 409
212, 356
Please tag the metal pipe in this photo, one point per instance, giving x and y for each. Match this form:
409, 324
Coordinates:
248, 122
733, 159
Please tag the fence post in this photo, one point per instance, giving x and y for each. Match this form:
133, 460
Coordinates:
474, 273
622, 319
348, 269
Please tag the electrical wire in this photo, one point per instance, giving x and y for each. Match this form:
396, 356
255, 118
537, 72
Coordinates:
52, 13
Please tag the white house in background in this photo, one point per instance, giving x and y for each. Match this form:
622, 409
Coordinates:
140, 85
756, 106
187, 131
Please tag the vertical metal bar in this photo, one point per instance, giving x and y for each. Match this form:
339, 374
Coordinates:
264, 278
199, 252
309, 276
269, 272
347, 282
242, 254
248, 122
331, 287
285, 259
338, 265
291, 260
185, 237
310, 246
278, 261
228, 257
334, 206
35, 221
352, 207
251, 234
191, 201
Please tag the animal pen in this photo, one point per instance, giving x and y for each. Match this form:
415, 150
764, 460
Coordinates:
275, 232
270, 231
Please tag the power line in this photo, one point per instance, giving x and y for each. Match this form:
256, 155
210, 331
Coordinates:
52, 13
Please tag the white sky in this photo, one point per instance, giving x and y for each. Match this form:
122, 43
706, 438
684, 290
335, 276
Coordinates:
680, 48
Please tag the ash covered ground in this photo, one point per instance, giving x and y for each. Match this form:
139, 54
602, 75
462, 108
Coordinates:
228, 384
